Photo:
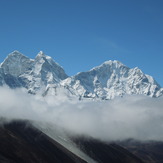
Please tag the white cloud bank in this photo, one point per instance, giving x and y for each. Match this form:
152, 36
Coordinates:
135, 117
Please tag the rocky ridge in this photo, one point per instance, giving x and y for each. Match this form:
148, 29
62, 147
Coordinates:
43, 75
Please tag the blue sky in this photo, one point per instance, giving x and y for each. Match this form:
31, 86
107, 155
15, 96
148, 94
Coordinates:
81, 34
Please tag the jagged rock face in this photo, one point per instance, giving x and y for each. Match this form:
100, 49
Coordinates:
16, 64
47, 69
45, 73
34, 74
112, 79
107, 81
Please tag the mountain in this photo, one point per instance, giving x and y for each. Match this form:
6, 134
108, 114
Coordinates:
43, 75
104, 152
112, 79
148, 151
35, 75
21, 141
13, 66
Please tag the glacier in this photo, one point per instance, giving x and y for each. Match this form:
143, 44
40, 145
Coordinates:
44, 76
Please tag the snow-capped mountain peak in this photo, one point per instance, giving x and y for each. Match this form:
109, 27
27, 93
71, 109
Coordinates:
15, 54
47, 64
41, 54
114, 62
106, 81
112, 79
45, 72
16, 63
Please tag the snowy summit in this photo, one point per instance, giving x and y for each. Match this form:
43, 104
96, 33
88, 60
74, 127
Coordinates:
107, 81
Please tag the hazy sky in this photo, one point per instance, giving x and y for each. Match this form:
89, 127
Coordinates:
81, 34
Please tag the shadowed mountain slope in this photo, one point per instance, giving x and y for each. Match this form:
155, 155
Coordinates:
149, 151
22, 143
104, 152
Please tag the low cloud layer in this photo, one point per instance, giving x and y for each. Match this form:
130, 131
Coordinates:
135, 117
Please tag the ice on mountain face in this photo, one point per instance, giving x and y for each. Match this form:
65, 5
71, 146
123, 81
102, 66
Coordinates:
112, 79
93, 83
45, 72
13, 66
107, 81
1, 77
40, 54
16, 64
47, 64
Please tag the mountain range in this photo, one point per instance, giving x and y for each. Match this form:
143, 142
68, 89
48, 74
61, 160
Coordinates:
43, 75
37, 141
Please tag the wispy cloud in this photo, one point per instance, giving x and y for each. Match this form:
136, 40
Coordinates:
108, 43
111, 47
